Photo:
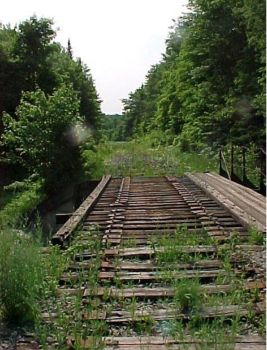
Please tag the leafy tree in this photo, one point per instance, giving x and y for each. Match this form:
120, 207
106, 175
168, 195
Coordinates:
30, 61
42, 137
32, 48
11, 75
112, 127
69, 71
209, 88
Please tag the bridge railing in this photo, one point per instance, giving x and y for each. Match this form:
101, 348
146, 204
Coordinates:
244, 165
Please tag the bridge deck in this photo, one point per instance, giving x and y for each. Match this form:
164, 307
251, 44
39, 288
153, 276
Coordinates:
138, 241
245, 204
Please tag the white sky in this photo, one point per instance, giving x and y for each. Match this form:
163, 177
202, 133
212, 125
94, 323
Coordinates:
118, 39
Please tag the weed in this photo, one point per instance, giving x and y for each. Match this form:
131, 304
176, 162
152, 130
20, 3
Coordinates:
215, 334
145, 326
262, 325
174, 246
255, 236
187, 295
234, 240
21, 277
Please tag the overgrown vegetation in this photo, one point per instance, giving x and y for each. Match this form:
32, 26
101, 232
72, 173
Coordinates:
20, 199
209, 87
50, 105
21, 277
27, 276
208, 90
172, 254
140, 158
72, 321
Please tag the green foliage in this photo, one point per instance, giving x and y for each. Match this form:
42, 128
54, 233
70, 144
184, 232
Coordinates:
10, 74
20, 202
256, 236
28, 276
112, 127
187, 295
21, 277
46, 96
31, 49
92, 161
43, 133
75, 73
209, 87
139, 158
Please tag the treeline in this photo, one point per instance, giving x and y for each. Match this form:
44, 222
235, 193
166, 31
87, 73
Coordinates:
112, 127
209, 88
49, 107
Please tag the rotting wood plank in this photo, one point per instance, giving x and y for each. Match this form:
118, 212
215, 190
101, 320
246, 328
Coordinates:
70, 277
242, 211
133, 212
143, 266
122, 316
250, 342
148, 251
63, 234
152, 276
158, 292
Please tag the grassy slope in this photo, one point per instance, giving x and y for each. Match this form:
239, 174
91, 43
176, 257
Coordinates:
17, 203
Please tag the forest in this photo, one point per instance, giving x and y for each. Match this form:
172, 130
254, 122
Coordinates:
209, 87
49, 104
207, 91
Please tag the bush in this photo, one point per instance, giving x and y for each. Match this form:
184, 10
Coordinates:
187, 295
255, 236
44, 136
21, 277
21, 202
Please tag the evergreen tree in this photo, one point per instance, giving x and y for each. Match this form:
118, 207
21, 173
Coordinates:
69, 49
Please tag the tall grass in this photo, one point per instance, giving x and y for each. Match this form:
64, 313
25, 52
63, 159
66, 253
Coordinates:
139, 158
28, 277
21, 277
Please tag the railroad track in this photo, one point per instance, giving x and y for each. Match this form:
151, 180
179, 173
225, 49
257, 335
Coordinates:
158, 264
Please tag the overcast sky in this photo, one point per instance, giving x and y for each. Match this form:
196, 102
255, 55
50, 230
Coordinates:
118, 39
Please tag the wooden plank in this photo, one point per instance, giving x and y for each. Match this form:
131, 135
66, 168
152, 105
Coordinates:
151, 265
158, 292
147, 251
235, 346
63, 234
154, 340
122, 316
166, 343
155, 275
240, 209
70, 277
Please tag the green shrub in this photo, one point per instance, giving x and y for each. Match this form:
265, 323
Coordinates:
187, 295
255, 236
21, 203
44, 136
21, 277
